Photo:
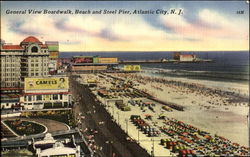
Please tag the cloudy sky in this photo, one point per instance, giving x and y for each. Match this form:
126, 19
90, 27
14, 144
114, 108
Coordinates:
203, 26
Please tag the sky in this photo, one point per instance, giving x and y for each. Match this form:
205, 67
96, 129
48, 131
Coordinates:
202, 26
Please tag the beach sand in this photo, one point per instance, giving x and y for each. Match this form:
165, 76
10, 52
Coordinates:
207, 111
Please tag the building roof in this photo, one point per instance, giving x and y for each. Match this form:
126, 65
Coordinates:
30, 39
51, 42
46, 93
12, 47
44, 46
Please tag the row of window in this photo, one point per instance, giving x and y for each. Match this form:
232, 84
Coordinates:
14, 64
38, 59
38, 74
37, 64
10, 70
7, 58
44, 97
10, 79
36, 69
11, 74
9, 84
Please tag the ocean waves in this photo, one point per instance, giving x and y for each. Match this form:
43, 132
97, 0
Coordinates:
225, 76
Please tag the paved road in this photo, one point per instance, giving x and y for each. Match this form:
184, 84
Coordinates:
110, 136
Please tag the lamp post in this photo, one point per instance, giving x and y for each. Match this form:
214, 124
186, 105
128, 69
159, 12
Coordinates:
153, 147
126, 120
109, 143
113, 112
118, 117
138, 136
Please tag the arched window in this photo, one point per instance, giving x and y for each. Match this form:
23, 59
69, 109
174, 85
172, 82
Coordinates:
34, 49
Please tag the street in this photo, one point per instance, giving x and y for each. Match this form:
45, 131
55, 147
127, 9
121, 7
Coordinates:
109, 137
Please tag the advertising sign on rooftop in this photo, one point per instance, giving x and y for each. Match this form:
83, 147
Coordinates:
83, 60
53, 47
56, 83
132, 67
53, 54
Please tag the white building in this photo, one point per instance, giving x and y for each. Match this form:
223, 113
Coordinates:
28, 59
49, 147
187, 58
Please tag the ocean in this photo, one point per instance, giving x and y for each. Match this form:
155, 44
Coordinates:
227, 66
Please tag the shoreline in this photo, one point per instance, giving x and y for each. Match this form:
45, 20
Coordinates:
226, 86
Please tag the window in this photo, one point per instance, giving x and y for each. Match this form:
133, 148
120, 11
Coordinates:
39, 97
34, 49
55, 97
61, 96
29, 98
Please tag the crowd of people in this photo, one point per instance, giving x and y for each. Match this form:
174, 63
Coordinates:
217, 96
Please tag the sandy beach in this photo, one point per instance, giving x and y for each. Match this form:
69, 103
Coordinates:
206, 110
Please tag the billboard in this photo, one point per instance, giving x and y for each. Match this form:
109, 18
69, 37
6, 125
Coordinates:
52, 45
132, 68
55, 83
86, 68
83, 59
53, 54
108, 60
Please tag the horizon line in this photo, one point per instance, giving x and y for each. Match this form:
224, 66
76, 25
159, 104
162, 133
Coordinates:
159, 51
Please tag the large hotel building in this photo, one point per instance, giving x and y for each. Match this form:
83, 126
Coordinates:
31, 58
28, 59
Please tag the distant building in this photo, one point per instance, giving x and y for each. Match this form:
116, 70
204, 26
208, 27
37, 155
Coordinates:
92, 63
184, 57
53, 47
177, 55
187, 58
49, 147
